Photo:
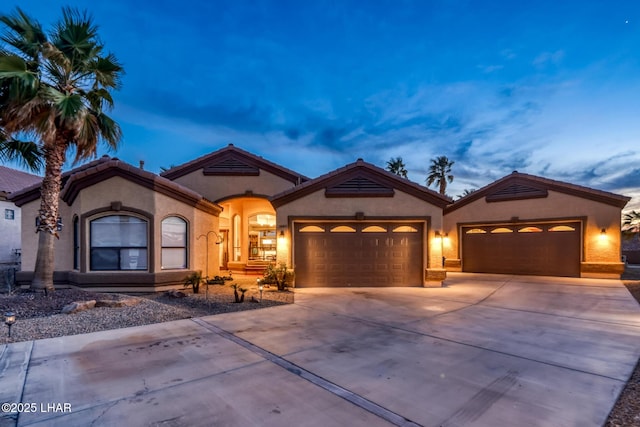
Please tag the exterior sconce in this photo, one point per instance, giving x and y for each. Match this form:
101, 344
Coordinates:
59, 223
603, 235
9, 320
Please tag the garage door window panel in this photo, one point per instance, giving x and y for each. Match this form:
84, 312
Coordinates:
311, 229
374, 229
343, 229
405, 229
561, 228
530, 230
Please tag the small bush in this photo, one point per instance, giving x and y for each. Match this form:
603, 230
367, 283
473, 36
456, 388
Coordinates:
279, 276
194, 280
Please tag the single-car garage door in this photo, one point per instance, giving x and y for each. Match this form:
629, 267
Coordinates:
536, 249
358, 254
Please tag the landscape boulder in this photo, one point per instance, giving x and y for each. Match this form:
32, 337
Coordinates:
78, 306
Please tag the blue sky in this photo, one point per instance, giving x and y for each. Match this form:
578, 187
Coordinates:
550, 88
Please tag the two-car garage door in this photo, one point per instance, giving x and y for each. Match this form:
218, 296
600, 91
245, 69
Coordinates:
535, 249
358, 254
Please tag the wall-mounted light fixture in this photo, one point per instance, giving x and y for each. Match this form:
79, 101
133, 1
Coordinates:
59, 223
603, 235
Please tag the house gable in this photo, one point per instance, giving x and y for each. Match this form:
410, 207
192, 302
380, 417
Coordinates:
515, 190
115, 168
232, 161
360, 179
359, 185
231, 164
520, 186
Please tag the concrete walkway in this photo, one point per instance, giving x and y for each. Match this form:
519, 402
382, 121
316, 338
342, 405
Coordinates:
485, 350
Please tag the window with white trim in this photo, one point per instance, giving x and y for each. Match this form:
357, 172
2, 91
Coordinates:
174, 243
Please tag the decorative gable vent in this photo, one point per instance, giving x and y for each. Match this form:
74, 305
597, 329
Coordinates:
359, 187
231, 165
516, 191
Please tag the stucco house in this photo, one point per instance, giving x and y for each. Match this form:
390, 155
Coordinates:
126, 228
11, 181
525, 224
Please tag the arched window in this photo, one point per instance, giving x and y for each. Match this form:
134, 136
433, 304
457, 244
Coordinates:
174, 243
118, 242
76, 243
237, 250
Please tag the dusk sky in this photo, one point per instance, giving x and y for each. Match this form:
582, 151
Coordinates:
550, 88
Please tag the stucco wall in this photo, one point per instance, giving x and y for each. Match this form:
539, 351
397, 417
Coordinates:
214, 187
556, 205
99, 197
400, 205
10, 232
28, 235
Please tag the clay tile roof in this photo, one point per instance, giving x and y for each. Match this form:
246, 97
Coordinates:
74, 180
364, 169
32, 192
108, 168
257, 161
12, 180
544, 183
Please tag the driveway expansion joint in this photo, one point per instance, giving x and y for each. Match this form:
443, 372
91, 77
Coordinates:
327, 385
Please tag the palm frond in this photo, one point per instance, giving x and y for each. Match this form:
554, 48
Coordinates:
23, 34
25, 153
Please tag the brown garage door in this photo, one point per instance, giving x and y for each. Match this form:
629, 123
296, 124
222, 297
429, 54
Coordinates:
358, 254
536, 249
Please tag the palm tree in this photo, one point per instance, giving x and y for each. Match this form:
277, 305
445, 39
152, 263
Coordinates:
466, 192
57, 92
397, 167
440, 173
631, 224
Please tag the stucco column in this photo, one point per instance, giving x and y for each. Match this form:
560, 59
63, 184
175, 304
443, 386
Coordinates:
436, 272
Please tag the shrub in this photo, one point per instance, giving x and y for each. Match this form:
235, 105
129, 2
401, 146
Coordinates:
279, 275
194, 280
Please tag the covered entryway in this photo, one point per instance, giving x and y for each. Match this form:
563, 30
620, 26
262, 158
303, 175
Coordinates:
535, 249
331, 254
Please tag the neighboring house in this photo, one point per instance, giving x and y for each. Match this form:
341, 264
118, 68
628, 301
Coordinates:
125, 228
12, 180
631, 249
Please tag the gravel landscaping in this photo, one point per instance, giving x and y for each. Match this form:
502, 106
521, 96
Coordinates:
40, 317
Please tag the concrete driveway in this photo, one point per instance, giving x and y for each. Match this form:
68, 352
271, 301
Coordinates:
485, 350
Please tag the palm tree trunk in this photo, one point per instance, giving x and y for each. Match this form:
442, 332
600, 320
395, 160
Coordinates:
54, 155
